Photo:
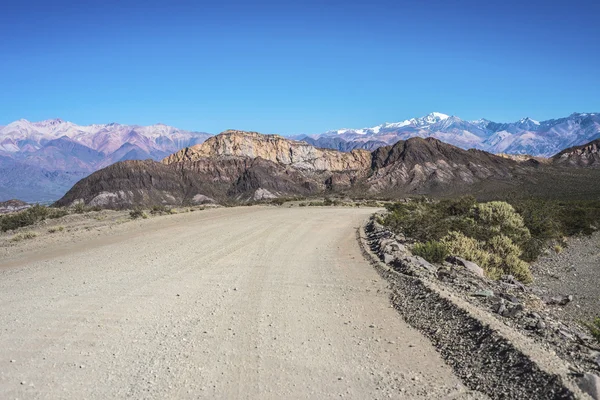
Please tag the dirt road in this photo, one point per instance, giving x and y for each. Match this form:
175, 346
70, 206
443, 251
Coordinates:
249, 302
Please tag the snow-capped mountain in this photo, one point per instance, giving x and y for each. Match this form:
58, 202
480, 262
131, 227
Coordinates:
526, 136
23, 136
60, 148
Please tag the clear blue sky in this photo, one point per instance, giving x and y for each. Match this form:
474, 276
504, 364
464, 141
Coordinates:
296, 66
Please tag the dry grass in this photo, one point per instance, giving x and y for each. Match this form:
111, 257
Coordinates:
23, 236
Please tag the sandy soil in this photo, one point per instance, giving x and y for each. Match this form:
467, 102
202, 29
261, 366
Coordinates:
249, 302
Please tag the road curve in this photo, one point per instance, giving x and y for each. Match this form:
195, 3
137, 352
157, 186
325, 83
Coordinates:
248, 302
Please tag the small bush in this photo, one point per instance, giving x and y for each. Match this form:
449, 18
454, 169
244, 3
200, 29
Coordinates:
23, 236
135, 214
278, 201
500, 218
79, 208
160, 209
56, 229
499, 256
302, 204
505, 259
594, 328
558, 248
433, 251
466, 247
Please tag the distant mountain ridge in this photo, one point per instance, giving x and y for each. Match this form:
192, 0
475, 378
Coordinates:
526, 136
243, 166
42, 160
238, 166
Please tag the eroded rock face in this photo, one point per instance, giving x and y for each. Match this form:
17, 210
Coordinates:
587, 155
299, 155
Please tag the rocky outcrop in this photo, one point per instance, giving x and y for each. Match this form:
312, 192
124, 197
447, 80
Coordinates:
299, 155
587, 155
425, 165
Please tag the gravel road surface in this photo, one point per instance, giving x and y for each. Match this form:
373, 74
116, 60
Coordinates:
248, 302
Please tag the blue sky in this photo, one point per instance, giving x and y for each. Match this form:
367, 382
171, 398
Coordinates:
296, 66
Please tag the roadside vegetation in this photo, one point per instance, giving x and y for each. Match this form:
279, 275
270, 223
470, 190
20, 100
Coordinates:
29, 216
501, 237
594, 328
23, 236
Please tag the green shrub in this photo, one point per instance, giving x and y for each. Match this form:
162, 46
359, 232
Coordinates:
594, 328
466, 247
432, 251
29, 216
79, 208
135, 214
499, 256
500, 218
505, 259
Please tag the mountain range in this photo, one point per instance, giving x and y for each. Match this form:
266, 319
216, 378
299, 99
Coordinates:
40, 161
238, 166
526, 136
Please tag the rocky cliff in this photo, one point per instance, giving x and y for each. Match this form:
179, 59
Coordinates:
296, 154
587, 155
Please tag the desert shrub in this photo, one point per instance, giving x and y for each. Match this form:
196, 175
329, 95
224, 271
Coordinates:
460, 206
552, 219
505, 259
23, 236
466, 247
500, 218
137, 213
432, 251
56, 229
79, 208
498, 256
499, 236
29, 216
302, 204
594, 328
160, 209
278, 201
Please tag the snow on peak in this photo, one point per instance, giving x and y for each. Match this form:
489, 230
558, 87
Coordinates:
439, 116
527, 119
